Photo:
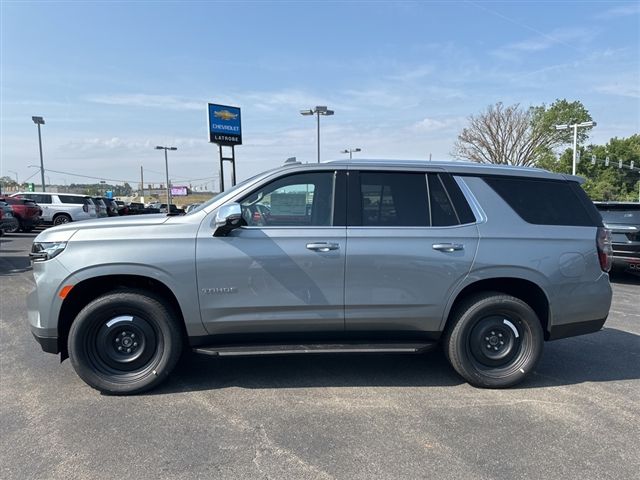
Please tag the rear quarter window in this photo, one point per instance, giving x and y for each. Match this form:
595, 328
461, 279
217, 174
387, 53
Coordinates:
71, 199
546, 202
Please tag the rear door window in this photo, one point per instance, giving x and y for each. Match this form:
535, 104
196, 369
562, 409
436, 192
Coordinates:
393, 199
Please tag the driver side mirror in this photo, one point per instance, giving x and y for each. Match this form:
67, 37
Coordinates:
228, 218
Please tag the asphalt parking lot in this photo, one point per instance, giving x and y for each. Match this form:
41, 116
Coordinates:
330, 416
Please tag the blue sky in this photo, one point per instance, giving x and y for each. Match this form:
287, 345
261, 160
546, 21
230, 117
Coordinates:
113, 79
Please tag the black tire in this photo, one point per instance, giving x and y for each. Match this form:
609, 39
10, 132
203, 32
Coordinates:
13, 229
493, 340
61, 219
125, 342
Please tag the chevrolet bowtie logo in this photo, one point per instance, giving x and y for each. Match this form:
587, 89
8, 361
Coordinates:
225, 115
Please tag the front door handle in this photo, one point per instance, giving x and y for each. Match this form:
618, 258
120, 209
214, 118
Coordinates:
448, 247
322, 246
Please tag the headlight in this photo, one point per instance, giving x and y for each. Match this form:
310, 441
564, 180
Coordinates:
41, 251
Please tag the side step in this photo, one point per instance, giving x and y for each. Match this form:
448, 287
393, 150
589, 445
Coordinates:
286, 349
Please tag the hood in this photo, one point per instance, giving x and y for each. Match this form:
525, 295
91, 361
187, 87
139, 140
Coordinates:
63, 233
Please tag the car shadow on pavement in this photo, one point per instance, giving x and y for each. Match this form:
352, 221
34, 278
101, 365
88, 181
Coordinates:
200, 372
13, 265
606, 356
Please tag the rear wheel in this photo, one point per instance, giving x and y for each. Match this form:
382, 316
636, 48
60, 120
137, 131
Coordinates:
61, 219
494, 340
124, 342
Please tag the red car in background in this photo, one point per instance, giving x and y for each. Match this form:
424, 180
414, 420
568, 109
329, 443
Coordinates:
27, 212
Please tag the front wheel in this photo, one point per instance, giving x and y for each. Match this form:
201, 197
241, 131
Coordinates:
494, 340
124, 342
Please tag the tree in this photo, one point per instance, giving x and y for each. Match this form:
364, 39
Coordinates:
512, 135
603, 182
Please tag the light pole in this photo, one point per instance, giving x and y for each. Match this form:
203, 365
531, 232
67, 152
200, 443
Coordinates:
575, 127
166, 166
319, 110
40, 121
350, 151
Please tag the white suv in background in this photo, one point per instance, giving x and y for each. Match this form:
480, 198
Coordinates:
59, 208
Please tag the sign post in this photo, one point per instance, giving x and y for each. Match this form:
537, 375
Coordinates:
225, 130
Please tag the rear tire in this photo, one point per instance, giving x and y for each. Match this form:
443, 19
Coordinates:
493, 340
61, 219
125, 342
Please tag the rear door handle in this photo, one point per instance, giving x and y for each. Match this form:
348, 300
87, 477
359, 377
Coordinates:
322, 246
448, 247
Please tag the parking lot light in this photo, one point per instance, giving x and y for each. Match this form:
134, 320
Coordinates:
575, 127
350, 151
166, 166
40, 121
317, 111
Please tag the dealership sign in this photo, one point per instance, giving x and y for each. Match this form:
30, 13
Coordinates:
224, 125
179, 191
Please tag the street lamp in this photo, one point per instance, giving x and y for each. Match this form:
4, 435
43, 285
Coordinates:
319, 110
40, 121
575, 127
350, 151
166, 166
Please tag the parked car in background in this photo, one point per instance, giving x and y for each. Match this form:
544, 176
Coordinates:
26, 212
191, 207
623, 219
135, 208
8, 223
60, 208
174, 209
112, 206
123, 209
392, 256
101, 207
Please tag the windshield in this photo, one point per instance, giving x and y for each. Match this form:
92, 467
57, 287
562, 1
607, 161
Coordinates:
620, 214
226, 193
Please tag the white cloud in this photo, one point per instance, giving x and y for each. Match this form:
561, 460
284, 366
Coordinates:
568, 37
144, 100
428, 125
621, 88
632, 8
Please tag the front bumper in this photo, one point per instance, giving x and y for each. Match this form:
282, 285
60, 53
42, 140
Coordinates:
48, 344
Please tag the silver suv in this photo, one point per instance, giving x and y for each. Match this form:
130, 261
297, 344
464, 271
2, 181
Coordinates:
59, 208
366, 256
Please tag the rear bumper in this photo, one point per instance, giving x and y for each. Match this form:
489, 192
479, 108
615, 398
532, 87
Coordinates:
30, 222
574, 329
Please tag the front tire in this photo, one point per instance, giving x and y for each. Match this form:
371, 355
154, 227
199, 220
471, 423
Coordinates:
124, 342
494, 340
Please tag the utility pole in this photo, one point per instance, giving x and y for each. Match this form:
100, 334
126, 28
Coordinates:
142, 183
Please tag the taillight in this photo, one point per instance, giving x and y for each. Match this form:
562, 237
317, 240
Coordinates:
605, 250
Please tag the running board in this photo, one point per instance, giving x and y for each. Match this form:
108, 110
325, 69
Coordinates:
286, 349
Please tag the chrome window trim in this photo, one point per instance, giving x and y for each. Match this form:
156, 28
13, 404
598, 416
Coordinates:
478, 212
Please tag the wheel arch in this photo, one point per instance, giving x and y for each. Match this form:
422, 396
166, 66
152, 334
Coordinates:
91, 288
526, 290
